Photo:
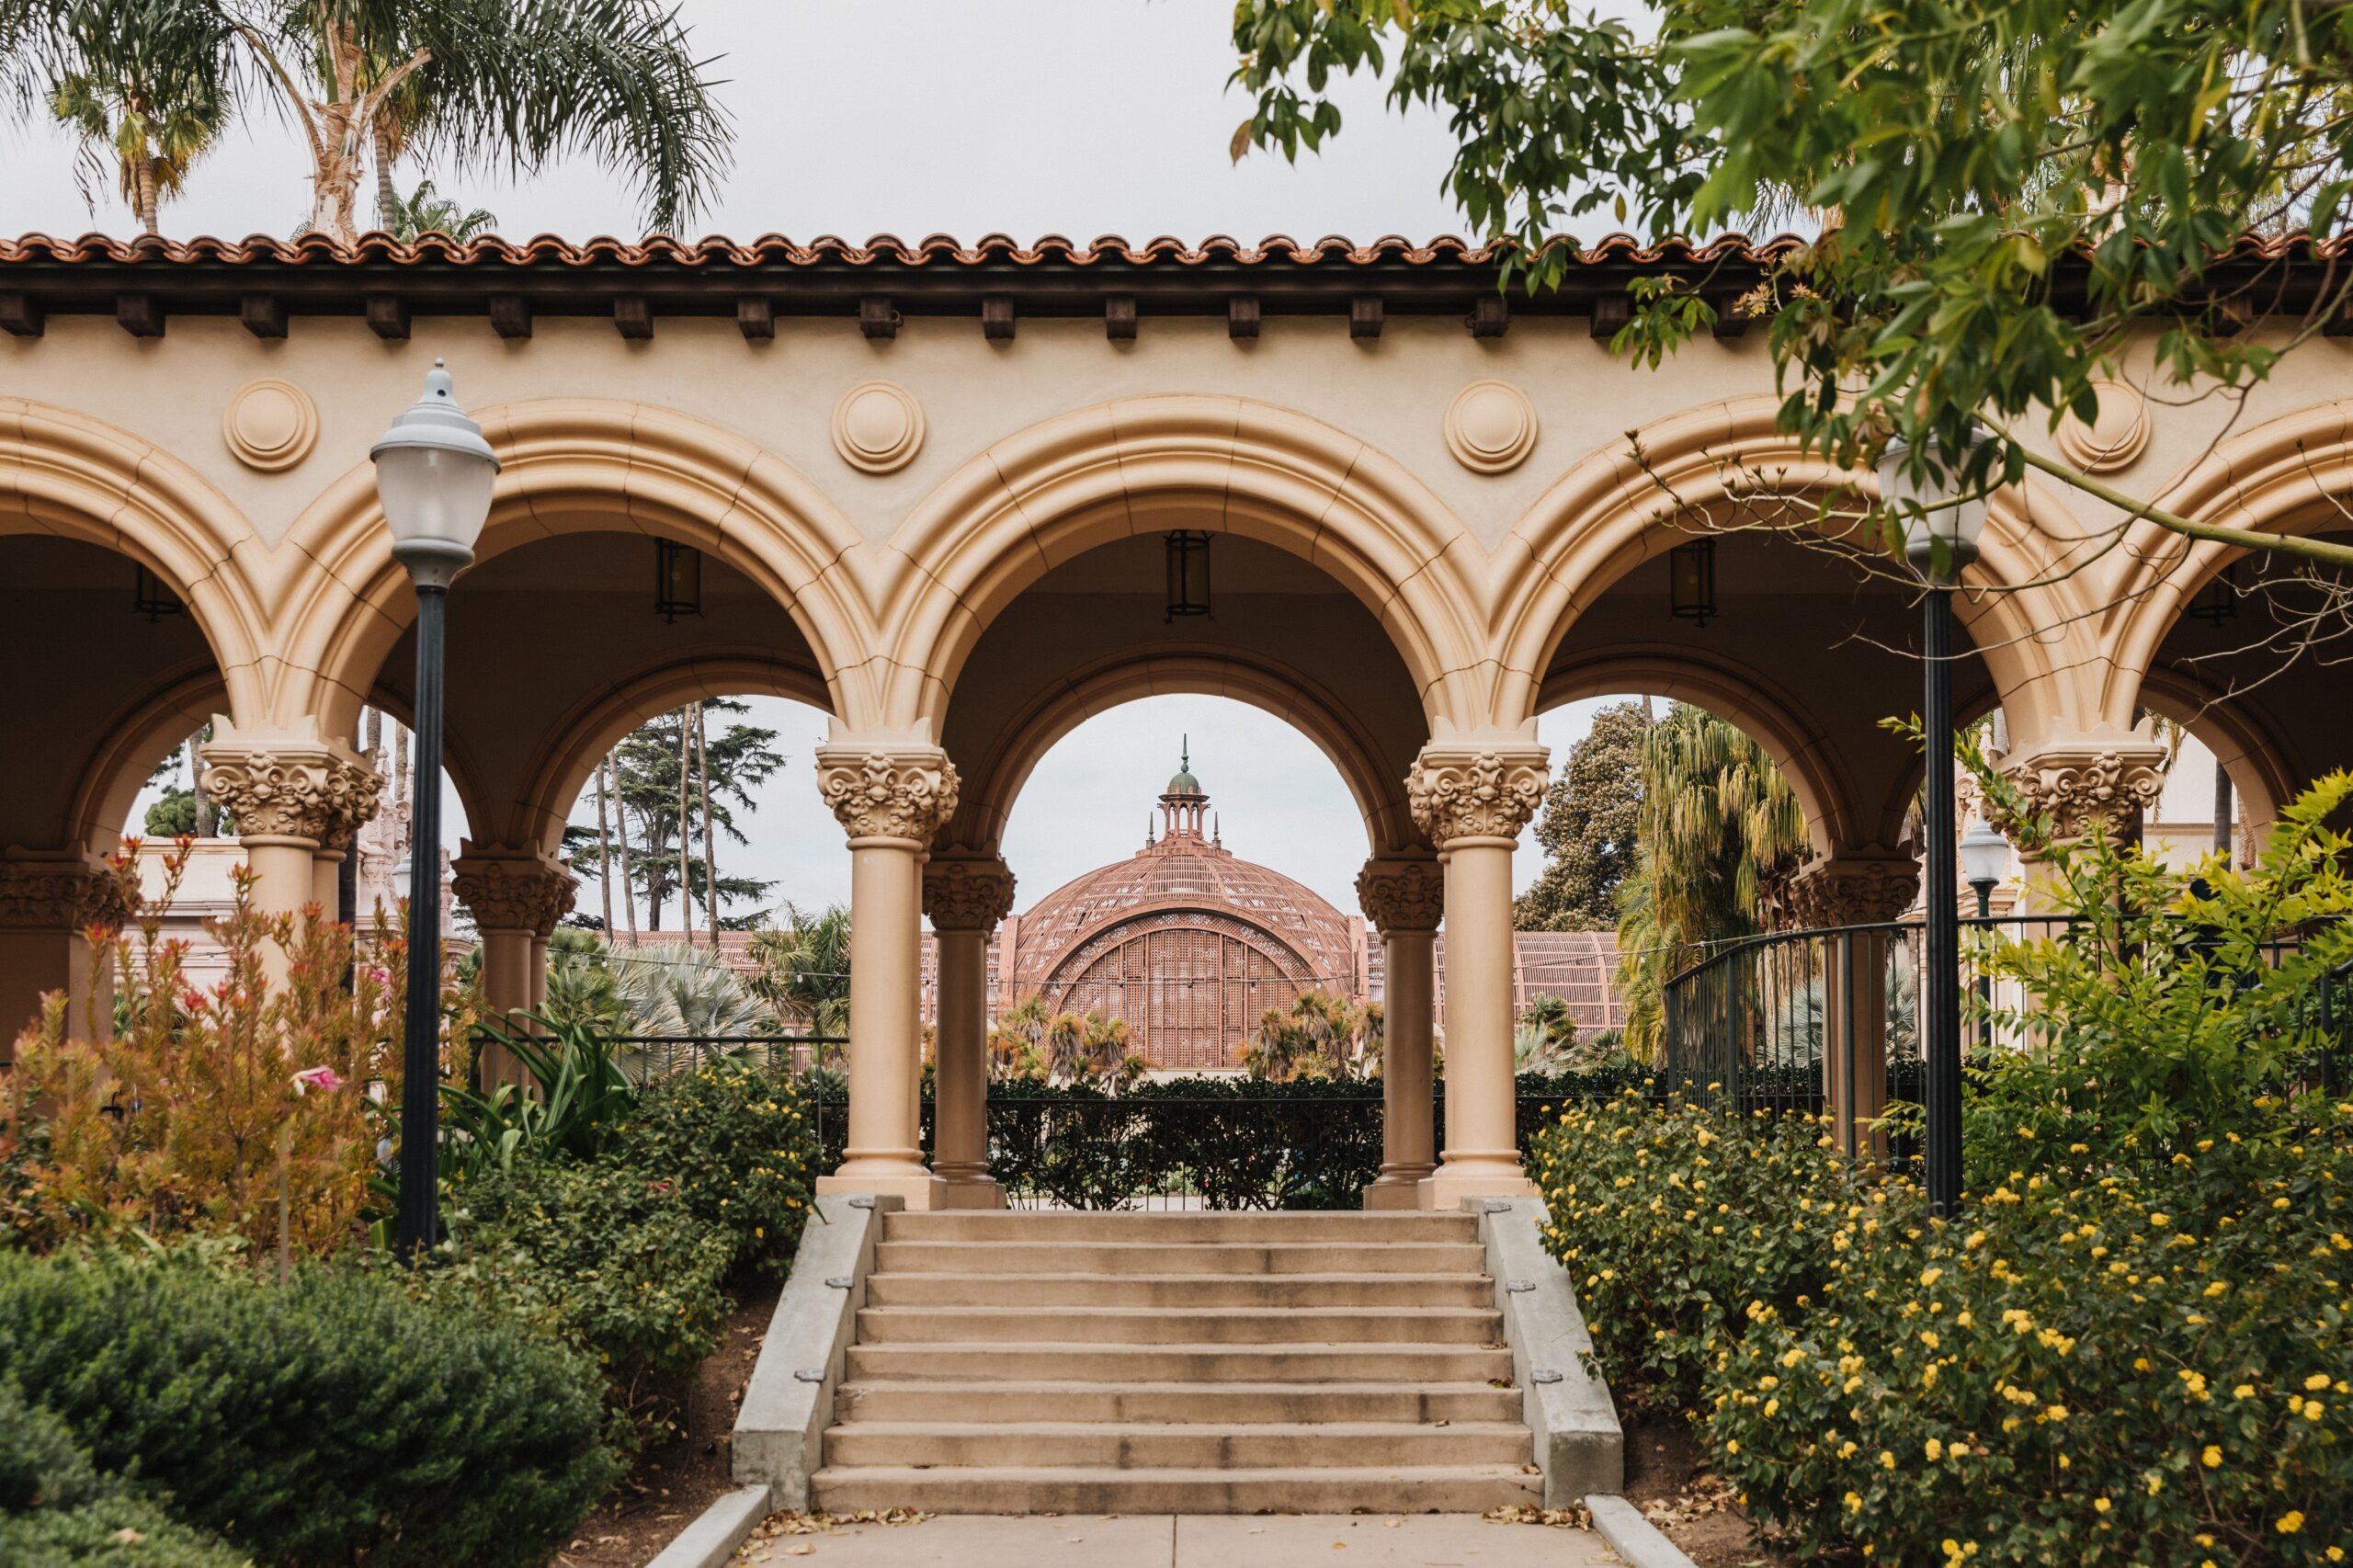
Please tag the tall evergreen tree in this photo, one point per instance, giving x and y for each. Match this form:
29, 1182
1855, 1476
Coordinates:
1588, 831
660, 809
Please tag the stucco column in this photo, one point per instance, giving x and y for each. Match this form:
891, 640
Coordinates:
964, 895
2079, 785
513, 895
1472, 799
49, 903
1405, 899
287, 793
891, 800
1867, 887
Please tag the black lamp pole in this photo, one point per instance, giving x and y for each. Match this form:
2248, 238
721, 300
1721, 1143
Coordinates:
421, 1036
1941, 1010
1985, 889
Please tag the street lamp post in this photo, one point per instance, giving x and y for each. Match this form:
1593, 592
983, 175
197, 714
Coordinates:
1984, 854
1940, 533
432, 476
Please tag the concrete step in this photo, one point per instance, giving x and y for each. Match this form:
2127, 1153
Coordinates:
1448, 1489
1012, 1360
1247, 1258
1282, 1290
1222, 1404
1086, 1445
1063, 1225
1184, 1326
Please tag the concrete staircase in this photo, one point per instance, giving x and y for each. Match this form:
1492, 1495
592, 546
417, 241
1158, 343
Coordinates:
1190, 1363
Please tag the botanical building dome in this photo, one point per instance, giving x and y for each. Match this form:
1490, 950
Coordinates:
1186, 942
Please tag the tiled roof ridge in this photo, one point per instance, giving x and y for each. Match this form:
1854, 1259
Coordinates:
879, 250
943, 250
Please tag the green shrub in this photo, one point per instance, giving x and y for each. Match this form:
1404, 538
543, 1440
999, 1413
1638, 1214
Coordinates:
596, 1254
314, 1421
738, 1144
2093, 1370
114, 1531
41, 1464
1675, 1221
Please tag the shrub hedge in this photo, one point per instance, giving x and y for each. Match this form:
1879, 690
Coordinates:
57, 1511
738, 1143
2151, 1365
320, 1421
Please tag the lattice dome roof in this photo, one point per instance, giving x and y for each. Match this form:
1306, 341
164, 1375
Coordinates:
1184, 872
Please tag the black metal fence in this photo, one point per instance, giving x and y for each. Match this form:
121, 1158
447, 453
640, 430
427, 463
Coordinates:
1773, 1022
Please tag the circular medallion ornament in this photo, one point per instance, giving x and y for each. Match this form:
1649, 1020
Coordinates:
1490, 426
270, 425
2112, 440
878, 427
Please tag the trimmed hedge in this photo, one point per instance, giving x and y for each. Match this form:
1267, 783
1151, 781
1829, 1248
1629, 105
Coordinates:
316, 1422
56, 1511
739, 1143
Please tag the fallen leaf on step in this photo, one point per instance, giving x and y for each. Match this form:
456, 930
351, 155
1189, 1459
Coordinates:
1442, 1423
803, 1549
1392, 1524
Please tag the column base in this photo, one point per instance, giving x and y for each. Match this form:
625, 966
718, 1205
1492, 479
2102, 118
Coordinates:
1398, 1187
1477, 1175
919, 1193
970, 1192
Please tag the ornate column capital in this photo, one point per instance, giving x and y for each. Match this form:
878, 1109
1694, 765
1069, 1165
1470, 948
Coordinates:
513, 893
57, 893
966, 892
279, 786
903, 792
1852, 889
1471, 791
1401, 895
2081, 788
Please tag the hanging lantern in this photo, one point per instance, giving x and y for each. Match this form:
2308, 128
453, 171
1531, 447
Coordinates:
2218, 601
678, 580
153, 599
1691, 571
1189, 573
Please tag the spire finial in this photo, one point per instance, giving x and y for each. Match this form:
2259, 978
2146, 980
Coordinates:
1184, 754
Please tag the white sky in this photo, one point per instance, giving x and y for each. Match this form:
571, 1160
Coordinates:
912, 117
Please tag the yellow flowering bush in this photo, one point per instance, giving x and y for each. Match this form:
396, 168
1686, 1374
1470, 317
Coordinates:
2096, 1371
1678, 1225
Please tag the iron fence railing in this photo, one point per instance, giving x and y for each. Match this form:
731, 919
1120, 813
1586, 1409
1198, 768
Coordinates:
1782, 1022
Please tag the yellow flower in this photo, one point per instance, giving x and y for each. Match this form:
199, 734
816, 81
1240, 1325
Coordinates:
2290, 1522
1936, 1449
2317, 1381
1854, 1502
2100, 1505
2212, 1458
2244, 1391
1886, 1460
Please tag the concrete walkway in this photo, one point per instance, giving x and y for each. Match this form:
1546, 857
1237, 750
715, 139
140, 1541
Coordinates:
1424, 1540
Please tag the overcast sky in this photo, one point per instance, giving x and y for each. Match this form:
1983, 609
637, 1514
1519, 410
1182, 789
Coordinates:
913, 117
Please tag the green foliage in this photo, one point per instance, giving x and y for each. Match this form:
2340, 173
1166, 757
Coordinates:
313, 1422
581, 1100
173, 813
1589, 831
2012, 191
1671, 1220
600, 1255
803, 970
427, 211
1718, 825
2180, 1008
737, 1143
581, 987
647, 798
683, 992
1318, 1035
56, 1510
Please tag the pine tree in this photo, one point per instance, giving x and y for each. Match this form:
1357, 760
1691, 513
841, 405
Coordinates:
1587, 830
660, 809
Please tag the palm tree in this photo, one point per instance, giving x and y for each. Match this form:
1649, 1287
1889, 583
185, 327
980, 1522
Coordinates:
1720, 827
1065, 1048
492, 84
803, 969
1106, 1042
680, 991
582, 988
427, 211
144, 83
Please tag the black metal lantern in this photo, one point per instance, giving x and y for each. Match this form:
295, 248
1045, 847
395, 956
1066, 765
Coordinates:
1189, 573
1691, 571
151, 598
2218, 601
677, 579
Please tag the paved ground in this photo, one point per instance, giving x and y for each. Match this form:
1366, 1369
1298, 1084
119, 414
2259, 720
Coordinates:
1427, 1540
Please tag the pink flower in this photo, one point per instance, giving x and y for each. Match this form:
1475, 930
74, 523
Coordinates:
310, 1078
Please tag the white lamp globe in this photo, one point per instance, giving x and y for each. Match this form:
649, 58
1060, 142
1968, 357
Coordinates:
1984, 854
1940, 533
434, 473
